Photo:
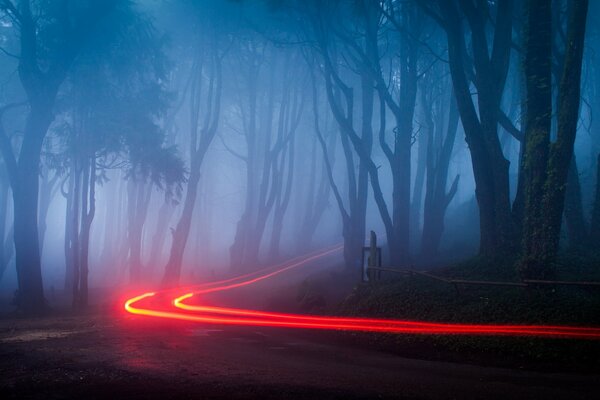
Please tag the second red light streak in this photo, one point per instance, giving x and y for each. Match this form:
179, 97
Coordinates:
179, 309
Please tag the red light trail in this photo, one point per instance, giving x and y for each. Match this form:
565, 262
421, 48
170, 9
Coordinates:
179, 309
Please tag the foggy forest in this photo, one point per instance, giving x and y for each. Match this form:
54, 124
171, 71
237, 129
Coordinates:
157, 144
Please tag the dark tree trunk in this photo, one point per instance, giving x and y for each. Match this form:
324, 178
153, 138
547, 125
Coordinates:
182, 230
548, 164
48, 188
436, 197
264, 174
6, 239
238, 250
199, 145
354, 221
41, 85
403, 109
419, 185
401, 165
69, 228
86, 213
538, 75
595, 220
353, 216
490, 167
282, 202
569, 97
89, 213
25, 199
74, 239
316, 202
165, 213
577, 231
139, 195
112, 226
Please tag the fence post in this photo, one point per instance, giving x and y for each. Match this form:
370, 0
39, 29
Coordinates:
372, 262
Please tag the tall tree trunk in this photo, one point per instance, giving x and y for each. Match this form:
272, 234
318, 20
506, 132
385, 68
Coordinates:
165, 213
577, 231
353, 217
48, 188
6, 239
282, 202
538, 75
316, 201
182, 230
409, 26
436, 197
490, 167
199, 145
41, 84
25, 199
139, 196
88, 211
595, 220
84, 235
264, 174
75, 224
561, 151
68, 242
401, 166
419, 185
112, 226
354, 223
548, 164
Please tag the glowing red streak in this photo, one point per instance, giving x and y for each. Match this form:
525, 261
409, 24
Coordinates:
296, 261
233, 316
271, 274
178, 302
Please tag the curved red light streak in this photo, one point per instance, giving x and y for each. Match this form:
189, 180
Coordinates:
233, 316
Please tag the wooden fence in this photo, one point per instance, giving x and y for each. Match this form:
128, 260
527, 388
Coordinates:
373, 271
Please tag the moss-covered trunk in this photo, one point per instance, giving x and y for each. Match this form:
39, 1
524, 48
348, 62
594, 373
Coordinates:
547, 164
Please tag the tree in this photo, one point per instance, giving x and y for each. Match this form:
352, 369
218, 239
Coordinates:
491, 41
547, 163
317, 192
269, 110
340, 98
100, 132
439, 145
6, 243
50, 40
358, 44
205, 112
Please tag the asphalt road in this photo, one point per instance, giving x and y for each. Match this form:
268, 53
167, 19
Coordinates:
122, 356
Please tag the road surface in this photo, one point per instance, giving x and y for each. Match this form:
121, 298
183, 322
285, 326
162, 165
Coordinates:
118, 355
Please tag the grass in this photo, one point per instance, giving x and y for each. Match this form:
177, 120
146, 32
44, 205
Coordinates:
420, 298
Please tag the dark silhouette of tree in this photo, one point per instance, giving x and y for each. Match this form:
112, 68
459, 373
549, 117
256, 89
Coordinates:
441, 126
205, 112
317, 193
489, 28
270, 111
50, 40
357, 142
6, 240
547, 163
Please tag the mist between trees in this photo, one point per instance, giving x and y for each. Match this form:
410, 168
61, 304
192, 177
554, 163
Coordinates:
170, 141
